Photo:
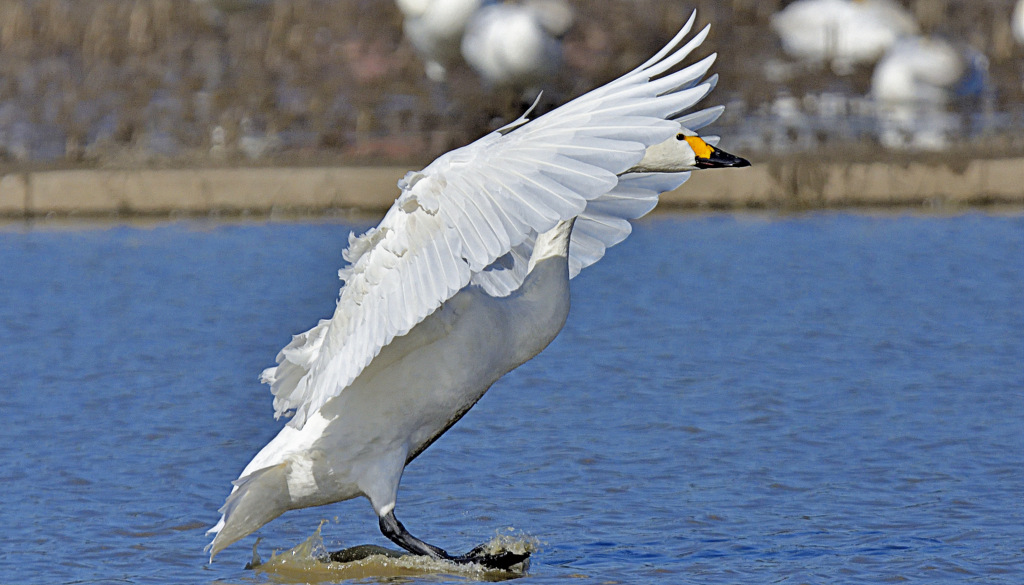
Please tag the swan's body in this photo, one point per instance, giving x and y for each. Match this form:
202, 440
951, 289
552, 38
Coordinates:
841, 32
425, 395
465, 278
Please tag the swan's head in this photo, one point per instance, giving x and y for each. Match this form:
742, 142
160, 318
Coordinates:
685, 152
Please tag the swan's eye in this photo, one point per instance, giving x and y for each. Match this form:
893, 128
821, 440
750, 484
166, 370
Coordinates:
680, 136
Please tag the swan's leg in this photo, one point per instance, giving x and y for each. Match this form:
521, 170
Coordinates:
393, 529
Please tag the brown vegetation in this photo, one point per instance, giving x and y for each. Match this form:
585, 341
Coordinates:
185, 82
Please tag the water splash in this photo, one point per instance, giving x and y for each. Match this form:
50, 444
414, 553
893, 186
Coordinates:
310, 562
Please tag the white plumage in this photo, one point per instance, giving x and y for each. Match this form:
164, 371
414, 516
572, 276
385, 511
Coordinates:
482, 240
1017, 22
912, 84
841, 32
516, 45
435, 27
475, 204
507, 44
928, 70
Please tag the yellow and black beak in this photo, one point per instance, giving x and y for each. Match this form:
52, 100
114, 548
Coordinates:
709, 157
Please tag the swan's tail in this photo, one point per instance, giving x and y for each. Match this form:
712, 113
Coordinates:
257, 499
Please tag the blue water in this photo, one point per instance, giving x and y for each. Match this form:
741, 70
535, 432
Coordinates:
822, 398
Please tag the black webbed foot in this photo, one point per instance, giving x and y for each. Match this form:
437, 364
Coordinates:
502, 561
396, 532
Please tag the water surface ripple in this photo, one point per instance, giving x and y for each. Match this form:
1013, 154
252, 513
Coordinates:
824, 398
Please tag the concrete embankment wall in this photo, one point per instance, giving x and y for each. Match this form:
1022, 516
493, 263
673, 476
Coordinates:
314, 190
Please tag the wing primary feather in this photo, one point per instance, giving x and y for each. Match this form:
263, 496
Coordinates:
606, 228
413, 285
393, 301
693, 96
596, 151
601, 179
443, 253
657, 69
712, 82
499, 240
679, 80
694, 74
531, 209
449, 263
434, 272
456, 265
700, 119
426, 294
669, 46
413, 299
512, 226
670, 102
569, 199
475, 249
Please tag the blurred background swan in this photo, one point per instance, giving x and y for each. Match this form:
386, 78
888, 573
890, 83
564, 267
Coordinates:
1017, 22
841, 33
929, 70
912, 85
517, 45
435, 28
507, 44
96, 82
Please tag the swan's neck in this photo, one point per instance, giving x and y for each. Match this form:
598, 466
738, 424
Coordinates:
553, 243
541, 305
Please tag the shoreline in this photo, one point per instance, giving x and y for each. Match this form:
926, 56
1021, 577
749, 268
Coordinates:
316, 191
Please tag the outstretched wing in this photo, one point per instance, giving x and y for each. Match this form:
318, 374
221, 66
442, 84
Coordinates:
473, 205
603, 223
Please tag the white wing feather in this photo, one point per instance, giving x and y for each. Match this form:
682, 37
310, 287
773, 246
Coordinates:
602, 224
486, 201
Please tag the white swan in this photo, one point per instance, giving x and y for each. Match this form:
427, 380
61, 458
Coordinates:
508, 45
912, 84
841, 32
928, 70
1017, 22
516, 45
465, 278
435, 28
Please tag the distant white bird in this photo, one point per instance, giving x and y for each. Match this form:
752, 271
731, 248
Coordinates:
466, 278
516, 45
435, 29
1017, 22
841, 32
253, 143
912, 83
920, 69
